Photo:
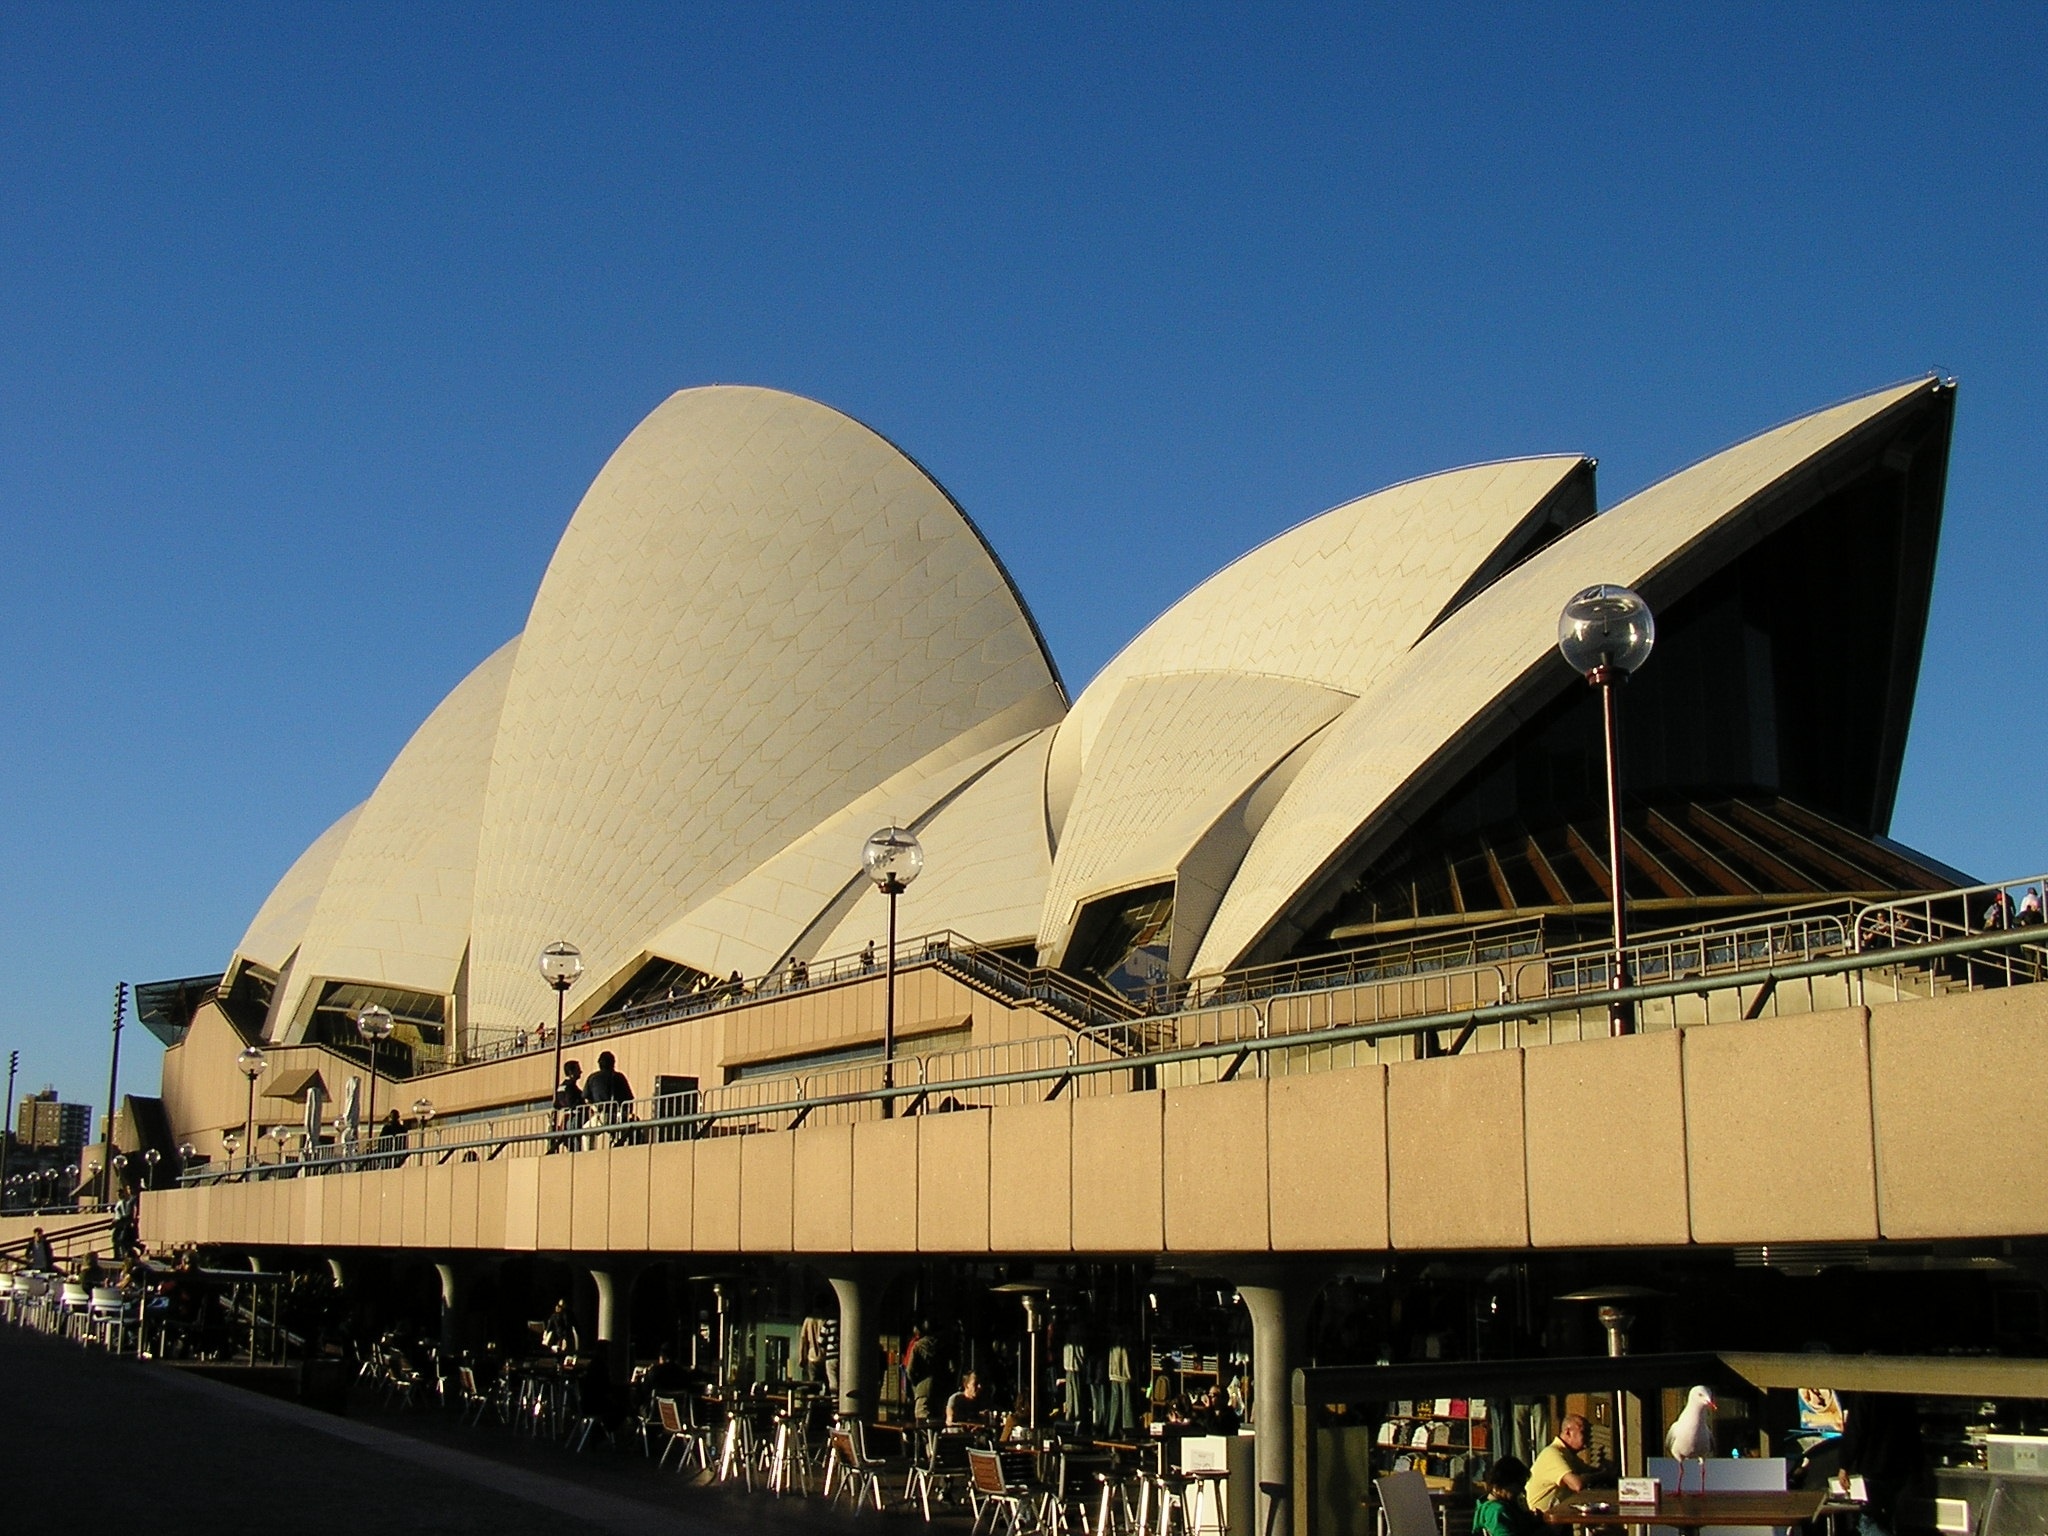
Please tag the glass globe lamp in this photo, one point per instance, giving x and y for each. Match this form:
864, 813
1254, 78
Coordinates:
1606, 629
893, 857
560, 964
251, 1063
375, 1023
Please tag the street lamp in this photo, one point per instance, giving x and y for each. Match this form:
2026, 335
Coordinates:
374, 1024
423, 1116
251, 1063
230, 1141
188, 1156
1604, 634
560, 964
892, 857
150, 1159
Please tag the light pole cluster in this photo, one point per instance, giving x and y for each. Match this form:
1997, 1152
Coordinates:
1604, 634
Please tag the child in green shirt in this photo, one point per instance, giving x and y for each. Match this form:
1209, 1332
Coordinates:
1502, 1512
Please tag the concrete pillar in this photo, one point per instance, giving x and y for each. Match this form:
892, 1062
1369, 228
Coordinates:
1279, 1312
856, 1348
614, 1322
451, 1308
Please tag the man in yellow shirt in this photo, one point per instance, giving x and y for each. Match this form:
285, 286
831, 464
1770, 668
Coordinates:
1561, 1467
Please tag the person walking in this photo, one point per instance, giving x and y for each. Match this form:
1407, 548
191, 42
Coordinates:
609, 1095
569, 1108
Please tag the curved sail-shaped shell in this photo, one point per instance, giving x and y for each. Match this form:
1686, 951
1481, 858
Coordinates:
395, 908
760, 611
1192, 715
280, 923
1494, 661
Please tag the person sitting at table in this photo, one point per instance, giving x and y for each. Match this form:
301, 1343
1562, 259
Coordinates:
665, 1378
558, 1332
1502, 1512
966, 1405
1215, 1415
1562, 1466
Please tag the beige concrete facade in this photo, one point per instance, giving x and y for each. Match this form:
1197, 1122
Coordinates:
1664, 1139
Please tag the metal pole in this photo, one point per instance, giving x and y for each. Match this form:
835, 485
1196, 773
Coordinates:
1621, 1015
893, 888
249, 1125
554, 1088
113, 1086
7, 1129
371, 1134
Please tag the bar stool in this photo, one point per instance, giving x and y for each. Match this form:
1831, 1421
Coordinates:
736, 1447
1276, 1500
1206, 1486
786, 1458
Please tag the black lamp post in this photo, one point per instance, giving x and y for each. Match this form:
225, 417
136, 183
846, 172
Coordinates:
560, 964
1605, 633
251, 1063
893, 858
375, 1025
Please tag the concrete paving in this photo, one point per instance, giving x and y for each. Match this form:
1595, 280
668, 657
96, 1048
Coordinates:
93, 1443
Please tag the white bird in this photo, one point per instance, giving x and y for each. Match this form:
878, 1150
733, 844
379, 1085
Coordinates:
1692, 1436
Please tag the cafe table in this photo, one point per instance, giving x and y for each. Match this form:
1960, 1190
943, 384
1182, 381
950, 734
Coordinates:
1691, 1510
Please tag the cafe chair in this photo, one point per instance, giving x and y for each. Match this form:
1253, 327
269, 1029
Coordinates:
1405, 1506
855, 1476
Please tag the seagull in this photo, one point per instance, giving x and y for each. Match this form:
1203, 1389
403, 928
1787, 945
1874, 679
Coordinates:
1692, 1437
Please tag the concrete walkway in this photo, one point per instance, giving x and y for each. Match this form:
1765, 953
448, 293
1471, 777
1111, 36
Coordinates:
92, 1443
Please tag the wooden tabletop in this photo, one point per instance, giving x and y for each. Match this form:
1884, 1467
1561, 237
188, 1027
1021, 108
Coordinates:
1691, 1509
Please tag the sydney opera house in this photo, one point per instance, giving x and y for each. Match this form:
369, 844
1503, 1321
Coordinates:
1250, 1005
767, 632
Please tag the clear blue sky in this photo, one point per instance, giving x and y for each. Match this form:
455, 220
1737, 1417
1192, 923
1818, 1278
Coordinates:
315, 321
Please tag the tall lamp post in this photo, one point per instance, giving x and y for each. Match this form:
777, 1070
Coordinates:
251, 1063
7, 1125
1604, 634
375, 1025
893, 858
560, 964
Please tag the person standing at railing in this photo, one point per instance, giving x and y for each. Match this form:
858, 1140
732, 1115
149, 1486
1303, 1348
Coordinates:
2030, 906
1999, 913
569, 1107
40, 1257
609, 1096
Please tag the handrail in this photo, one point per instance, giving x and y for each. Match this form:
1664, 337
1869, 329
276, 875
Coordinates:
1071, 1066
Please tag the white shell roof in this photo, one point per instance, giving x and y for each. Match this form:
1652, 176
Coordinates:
280, 923
396, 906
767, 632
1458, 681
760, 611
764, 916
1223, 685
987, 859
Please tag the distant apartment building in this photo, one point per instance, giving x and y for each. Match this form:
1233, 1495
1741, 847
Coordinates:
44, 1123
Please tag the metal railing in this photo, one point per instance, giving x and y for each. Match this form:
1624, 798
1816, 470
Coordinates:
1073, 1001
1278, 1034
